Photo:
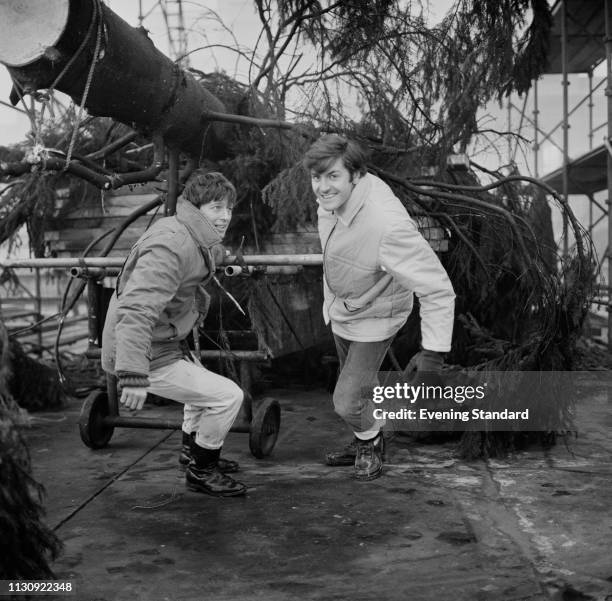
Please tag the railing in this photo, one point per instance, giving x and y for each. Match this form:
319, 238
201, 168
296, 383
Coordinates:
29, 306
34, 334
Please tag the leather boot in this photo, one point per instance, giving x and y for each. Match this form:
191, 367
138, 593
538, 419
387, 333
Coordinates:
344, 456
227, 466
203, 474
369, 459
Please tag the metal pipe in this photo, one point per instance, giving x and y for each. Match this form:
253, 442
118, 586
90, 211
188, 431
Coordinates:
598, 205
232, 271
173, 181
564, 62
113, 395
536, 144
590, 105
95, 352
545, 137
39, 308
97, 273
520, 127
64, 262
89, 262
598, 220
93, 304
156, 423
509, 109
548, 135
608, 9
600, 127
239, 355
122, 421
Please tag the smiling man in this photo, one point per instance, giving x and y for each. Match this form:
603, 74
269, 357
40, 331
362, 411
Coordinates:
158, 299
374, 261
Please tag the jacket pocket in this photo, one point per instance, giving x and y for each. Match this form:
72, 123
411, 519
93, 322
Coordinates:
353, 308
164, 329
344, 310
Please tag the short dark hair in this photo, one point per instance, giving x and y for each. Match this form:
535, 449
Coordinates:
329, 148
203, 187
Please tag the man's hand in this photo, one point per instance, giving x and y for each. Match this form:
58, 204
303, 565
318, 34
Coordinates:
425, 367
134, 397
425, 361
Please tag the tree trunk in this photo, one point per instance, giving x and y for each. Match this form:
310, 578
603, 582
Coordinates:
131, 82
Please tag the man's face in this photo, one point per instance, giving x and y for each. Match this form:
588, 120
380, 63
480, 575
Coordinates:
333, 186
219, 213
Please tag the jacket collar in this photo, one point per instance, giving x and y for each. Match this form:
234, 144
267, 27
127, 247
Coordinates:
200, 228
347, 212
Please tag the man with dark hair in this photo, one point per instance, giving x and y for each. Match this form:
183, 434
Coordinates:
158, 299
374, 261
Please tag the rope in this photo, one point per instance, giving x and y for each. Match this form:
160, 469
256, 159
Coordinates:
79, 49
98, 15
31, 113
36, 122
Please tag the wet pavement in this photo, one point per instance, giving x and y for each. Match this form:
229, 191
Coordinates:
534, 526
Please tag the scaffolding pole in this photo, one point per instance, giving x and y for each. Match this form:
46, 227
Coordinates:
536, 142
591, 132
608, 9
101, 262
509, 110
520, 128
565, 83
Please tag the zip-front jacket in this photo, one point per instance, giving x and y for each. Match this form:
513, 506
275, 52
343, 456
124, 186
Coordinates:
374, 260
159, 295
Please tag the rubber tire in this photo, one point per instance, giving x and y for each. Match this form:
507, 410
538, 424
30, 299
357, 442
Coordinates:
94, 433
264, 428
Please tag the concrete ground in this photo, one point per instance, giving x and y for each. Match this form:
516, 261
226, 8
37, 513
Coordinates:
534, 526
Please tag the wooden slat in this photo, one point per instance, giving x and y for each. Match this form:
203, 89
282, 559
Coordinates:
113, 206
72, 241
86, 223
292, 242
79, 224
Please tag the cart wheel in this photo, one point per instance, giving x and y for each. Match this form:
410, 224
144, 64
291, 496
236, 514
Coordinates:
94, 432
264, 427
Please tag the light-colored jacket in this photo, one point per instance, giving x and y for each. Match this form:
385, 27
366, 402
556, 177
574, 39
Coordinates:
159, 294
374, 259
